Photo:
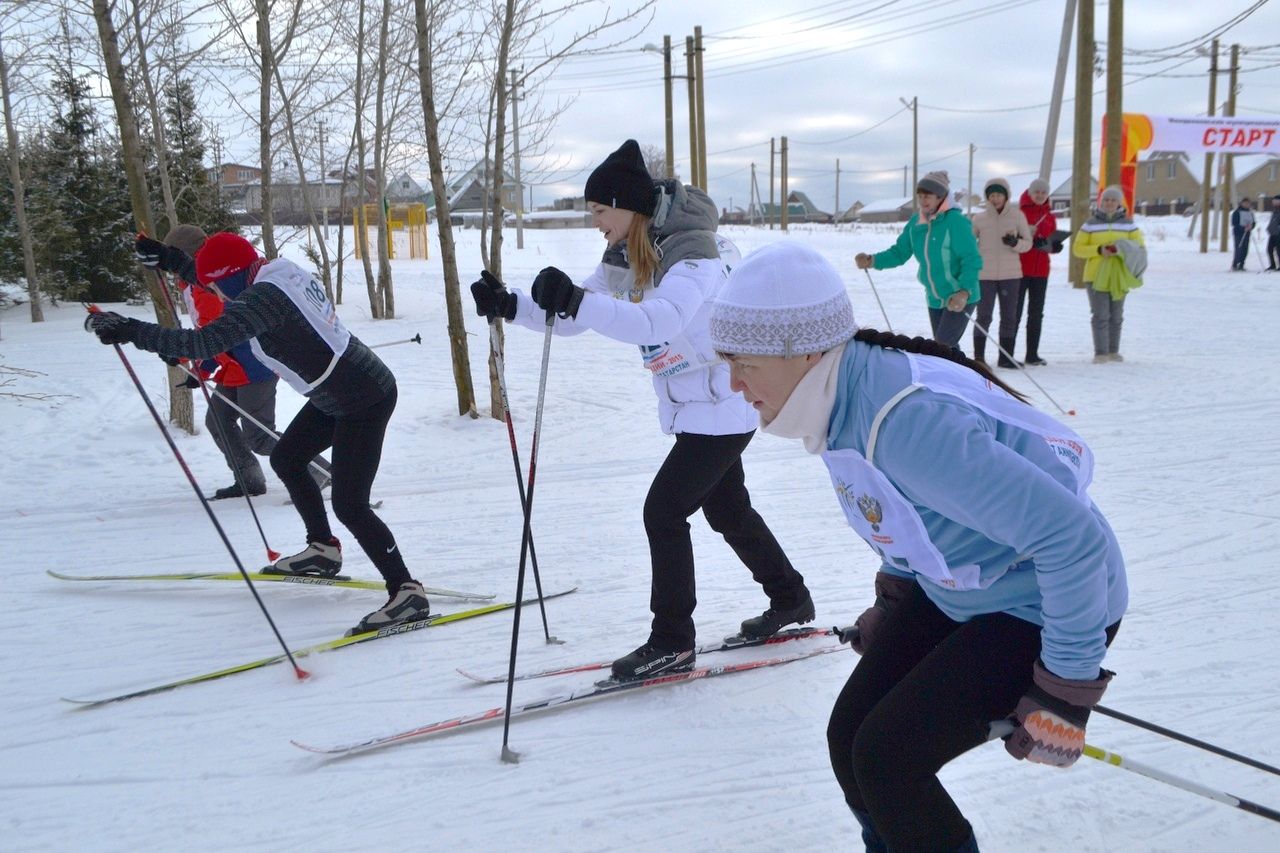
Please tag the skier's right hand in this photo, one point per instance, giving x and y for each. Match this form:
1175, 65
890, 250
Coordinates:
110, 327
958, 300
492, 298
148, 251
864, 261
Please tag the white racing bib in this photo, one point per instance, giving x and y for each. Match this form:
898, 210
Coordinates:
308, 296
890, 523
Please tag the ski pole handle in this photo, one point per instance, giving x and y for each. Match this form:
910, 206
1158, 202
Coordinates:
416, 339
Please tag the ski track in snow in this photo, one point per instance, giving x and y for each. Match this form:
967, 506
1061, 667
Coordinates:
1187, 473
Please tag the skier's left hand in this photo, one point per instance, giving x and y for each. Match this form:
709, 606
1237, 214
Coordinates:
110, 327
555, 291
1051, 717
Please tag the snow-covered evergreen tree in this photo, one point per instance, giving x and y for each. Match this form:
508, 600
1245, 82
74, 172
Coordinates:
195, 196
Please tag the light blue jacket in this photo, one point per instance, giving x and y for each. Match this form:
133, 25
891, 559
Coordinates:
991, 494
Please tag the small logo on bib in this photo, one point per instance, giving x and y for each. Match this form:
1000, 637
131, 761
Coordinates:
871, 511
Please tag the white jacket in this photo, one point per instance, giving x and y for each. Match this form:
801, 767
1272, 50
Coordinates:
670, 326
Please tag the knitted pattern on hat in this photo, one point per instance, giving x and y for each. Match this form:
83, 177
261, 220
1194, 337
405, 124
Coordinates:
938, 183
782, 300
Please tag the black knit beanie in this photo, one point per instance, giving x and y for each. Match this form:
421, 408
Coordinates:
623, 181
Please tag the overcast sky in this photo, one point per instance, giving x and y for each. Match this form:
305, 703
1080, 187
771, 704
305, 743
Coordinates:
821, 72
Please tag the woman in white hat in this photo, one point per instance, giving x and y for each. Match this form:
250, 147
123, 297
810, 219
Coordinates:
1000, 583
653, 289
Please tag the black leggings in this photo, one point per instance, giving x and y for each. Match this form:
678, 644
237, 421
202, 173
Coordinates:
357, 450
923, 694
705, 472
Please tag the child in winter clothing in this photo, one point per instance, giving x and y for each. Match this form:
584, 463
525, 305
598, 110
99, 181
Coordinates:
653, 289
940, 239
1003, 235
239, 377
1035, 263
1115, 258
1242, 222
1001, 583
285, 316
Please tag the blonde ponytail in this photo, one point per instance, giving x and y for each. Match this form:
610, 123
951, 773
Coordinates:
641, 256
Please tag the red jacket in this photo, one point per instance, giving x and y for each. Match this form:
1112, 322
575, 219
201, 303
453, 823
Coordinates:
1035, 262
206, 307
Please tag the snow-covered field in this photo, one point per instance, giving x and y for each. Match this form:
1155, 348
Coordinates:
1188, 467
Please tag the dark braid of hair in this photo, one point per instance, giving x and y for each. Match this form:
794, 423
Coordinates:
927, 346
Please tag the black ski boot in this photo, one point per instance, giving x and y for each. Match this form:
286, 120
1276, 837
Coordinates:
409, 604
648, 661
234, 491
774, 620
318, 559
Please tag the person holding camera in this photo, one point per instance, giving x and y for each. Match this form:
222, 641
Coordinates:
1003, 235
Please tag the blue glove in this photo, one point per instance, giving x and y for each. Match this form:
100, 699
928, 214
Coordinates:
110, 327
492, 298
555, 291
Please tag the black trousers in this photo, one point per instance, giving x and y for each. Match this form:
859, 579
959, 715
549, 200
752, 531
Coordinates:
1006, 292
1273, 250
923, 694
357, 451
1241, 238
705, 472
1032, 296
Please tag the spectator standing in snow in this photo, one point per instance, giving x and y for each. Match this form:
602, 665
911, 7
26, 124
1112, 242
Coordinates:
1035, 263
1003, 236
238, 375
1001, 584
1115, 259
1273, 235
283, 313
653, 289
1242, 222
939, 237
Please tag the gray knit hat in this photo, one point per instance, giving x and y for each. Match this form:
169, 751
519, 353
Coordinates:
1114, 192
1039, 184
188, 238
784, 299
937, 183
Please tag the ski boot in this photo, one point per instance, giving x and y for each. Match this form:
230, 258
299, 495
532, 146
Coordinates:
318, 560
648, 661
409, 604
774, 619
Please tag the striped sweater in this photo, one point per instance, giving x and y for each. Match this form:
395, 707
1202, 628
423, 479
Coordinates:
263, 311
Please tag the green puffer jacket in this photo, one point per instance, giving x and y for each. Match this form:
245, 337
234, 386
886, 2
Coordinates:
947, 252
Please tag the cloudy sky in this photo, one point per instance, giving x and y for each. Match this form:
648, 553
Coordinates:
829, 76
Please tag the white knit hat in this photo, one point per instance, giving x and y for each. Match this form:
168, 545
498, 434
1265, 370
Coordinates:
784, 299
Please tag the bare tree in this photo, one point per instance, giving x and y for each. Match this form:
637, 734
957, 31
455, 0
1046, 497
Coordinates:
180, 407
426, 30
19, 192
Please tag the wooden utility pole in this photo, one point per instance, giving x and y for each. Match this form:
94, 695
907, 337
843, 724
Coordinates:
914, 106
785, 206
968, 193
1055, 101
694, 159
1115, 96
772, 155
1206, 190
1082, 145
671, 122
702, 111
1228, 160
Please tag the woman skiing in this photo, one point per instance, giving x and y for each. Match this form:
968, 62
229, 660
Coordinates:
653, 289
293, 328
1001, 584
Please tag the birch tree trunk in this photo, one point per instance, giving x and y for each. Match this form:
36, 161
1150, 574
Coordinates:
499, 158
19, 195
266, 64
448, 252
385, 297
157, 123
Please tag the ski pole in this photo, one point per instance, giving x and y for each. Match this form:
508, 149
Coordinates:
500, 363
137, 383
416, 339
1253, 233
1003, 728
272, 554
885, 314
1021, 367
1170, 733
509, 755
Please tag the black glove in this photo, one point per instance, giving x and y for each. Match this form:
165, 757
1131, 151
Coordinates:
1041, 244
189, 382
492, 298
110, 327
555, 291
1010, 240
890, 592
156, 255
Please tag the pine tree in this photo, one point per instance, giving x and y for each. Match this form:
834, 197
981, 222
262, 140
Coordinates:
195, 196
80, 203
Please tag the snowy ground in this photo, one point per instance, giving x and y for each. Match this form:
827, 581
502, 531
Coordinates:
1184, 430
